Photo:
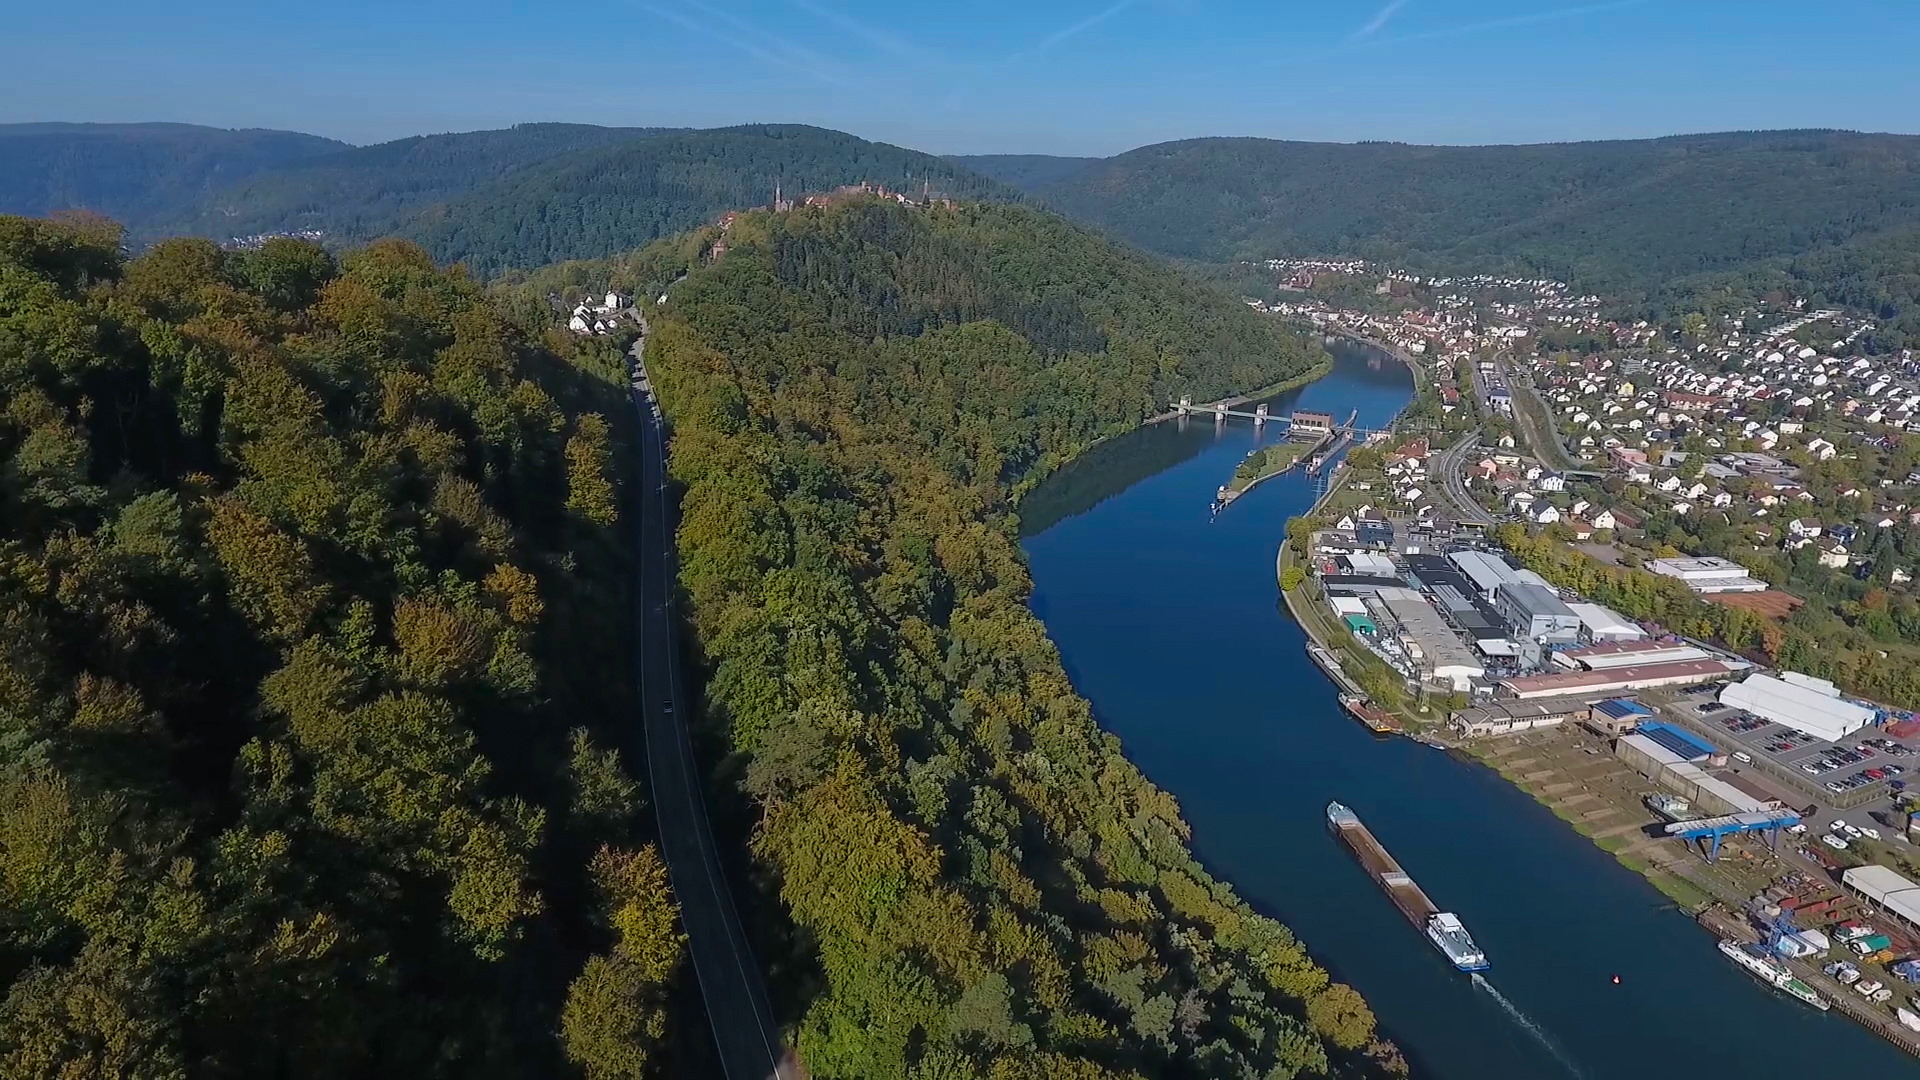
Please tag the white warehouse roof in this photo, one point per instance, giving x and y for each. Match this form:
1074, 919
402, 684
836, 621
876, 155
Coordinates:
1488, 571
1799, 707
1886, 888
1606, 624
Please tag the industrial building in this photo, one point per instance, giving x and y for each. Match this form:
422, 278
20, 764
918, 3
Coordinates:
1886, 892
1602, 624
1655, 761
1596, 684
1431, 643
1508, 717
1536, 613
1616, 716
1709, 575
1487, 571
1607, 657
1807, 705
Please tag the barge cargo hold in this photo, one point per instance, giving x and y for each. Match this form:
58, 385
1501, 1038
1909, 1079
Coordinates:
1443, 928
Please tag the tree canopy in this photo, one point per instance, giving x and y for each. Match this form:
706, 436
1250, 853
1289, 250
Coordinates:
988, 886
312, 726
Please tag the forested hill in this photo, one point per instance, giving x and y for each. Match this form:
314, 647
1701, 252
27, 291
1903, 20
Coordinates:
368, 191
1609, 215
1027, 172
621, 196
316, 621
138, 172
988, 887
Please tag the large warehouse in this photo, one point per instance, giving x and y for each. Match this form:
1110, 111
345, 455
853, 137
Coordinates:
1806, 705
1887, 892
1430, 641
1600, 624
1536, 613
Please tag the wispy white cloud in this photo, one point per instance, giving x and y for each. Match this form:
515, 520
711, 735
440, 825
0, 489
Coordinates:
1505, 22
1380, 19
878, 37
739, 34
1079, 28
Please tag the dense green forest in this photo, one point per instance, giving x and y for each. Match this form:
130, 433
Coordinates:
1613, 216
136, 172
317, 676
1879, 275
986, 885
518, 197
624, 195
368, 191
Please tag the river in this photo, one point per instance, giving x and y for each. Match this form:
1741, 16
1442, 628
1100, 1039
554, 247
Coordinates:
1170, 623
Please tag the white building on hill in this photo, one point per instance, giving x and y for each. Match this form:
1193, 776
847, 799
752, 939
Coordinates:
1709, 575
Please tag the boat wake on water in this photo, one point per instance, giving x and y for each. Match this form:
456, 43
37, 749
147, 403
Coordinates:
1526, 1022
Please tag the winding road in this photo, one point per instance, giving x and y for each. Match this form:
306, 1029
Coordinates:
731, 981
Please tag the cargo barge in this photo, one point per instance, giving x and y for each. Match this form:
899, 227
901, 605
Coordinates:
1443, 928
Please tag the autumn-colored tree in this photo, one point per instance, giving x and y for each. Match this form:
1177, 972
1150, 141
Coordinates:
589, 490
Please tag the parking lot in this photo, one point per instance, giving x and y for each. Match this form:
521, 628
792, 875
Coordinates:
1858, 776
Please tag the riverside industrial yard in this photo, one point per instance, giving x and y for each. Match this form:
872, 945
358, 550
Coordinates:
1770, 805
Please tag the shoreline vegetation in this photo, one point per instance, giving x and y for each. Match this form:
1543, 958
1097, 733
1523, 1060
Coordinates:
1320, 370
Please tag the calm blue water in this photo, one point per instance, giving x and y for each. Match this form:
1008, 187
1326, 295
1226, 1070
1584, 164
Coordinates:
1170, 624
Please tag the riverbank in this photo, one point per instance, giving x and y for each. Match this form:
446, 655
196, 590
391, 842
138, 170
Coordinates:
1167, 618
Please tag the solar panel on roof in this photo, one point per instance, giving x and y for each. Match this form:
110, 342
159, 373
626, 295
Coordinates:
1677, 741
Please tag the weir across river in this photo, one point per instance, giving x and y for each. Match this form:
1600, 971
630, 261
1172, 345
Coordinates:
1301, 422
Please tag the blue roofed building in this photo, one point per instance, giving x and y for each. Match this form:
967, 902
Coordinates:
1617, 716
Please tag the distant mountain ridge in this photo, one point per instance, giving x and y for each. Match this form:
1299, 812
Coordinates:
1633, 214
1674, 219
134, 172
361, 192
515, 197
1024, 171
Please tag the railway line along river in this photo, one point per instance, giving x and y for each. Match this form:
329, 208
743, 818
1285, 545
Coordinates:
1170, 623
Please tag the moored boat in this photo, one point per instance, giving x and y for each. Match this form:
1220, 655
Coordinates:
1772, 972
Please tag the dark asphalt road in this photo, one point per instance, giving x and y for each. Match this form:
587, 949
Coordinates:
731, 981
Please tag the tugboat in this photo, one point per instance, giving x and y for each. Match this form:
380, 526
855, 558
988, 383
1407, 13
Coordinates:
1446, 932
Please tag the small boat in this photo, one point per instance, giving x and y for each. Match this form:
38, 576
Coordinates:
1908, 1019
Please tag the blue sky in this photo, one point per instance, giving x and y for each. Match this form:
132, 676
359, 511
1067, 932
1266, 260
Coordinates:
982, 76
